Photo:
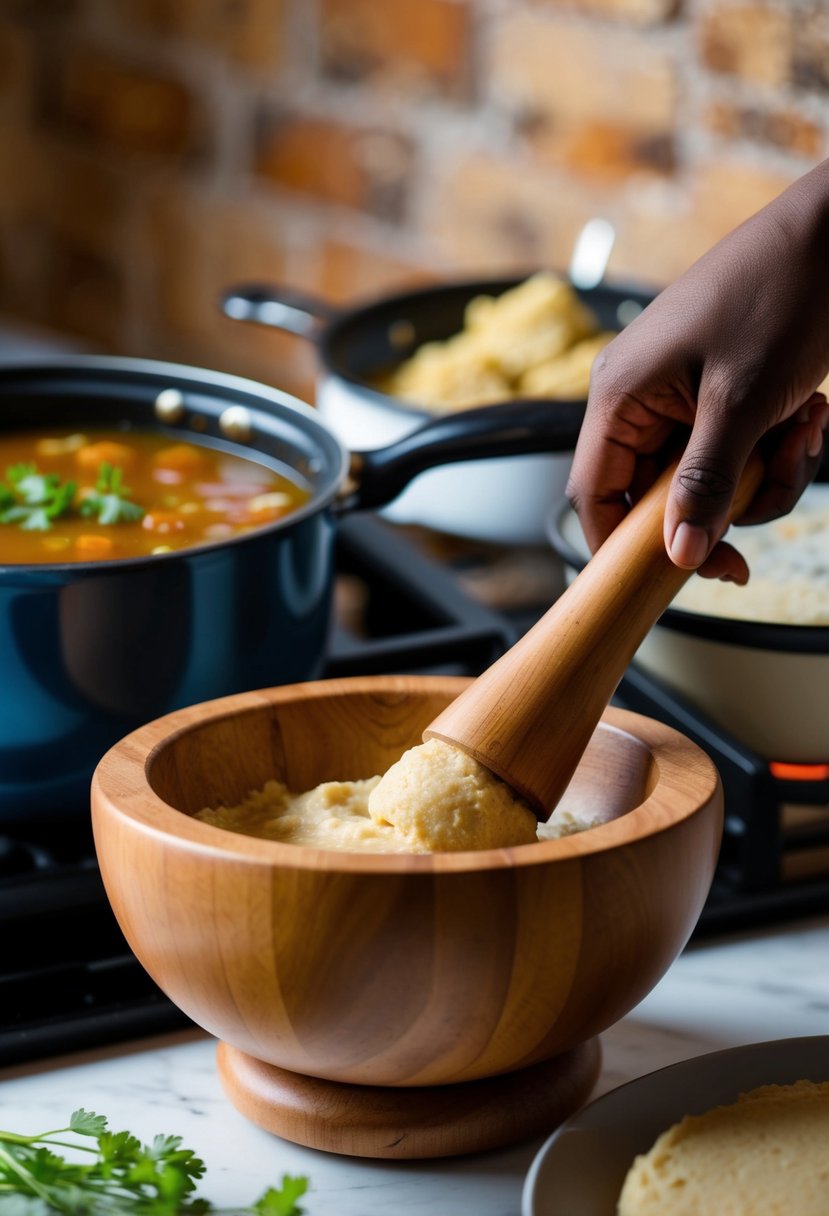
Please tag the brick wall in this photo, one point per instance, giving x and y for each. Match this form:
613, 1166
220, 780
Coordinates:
152, 151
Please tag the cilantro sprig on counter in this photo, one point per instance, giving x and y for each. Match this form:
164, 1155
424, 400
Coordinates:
34, 500
122, 1176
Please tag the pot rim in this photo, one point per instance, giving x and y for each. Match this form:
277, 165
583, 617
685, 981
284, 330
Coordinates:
161, 375
121, 786
734, 631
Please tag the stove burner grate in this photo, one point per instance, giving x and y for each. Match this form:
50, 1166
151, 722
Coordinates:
774, 858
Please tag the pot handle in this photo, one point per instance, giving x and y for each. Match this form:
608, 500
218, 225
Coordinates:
514, 428
283, 308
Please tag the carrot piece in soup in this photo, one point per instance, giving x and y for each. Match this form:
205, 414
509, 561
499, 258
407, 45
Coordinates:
92, 546
106, 451
182, 457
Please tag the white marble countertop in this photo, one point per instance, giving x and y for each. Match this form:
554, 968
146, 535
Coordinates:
722, 992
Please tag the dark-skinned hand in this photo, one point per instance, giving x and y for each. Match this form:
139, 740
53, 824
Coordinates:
726, 359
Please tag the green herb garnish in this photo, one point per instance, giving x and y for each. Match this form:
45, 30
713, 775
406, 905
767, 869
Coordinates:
31, 487
34, 499
125, 1177
110, 501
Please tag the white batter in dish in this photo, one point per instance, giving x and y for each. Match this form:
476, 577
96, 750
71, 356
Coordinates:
789, 564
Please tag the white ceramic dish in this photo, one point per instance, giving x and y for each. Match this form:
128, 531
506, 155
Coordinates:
579, 1171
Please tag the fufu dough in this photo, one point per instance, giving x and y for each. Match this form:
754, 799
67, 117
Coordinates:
763, 1155
539, 329
442, 800
333, 815
434, 799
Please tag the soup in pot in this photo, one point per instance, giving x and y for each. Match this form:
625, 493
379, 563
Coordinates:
103, 495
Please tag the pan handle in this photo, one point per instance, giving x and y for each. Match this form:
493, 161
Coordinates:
283, 308
514, 428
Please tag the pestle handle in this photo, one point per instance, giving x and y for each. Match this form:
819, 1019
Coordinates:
529, 717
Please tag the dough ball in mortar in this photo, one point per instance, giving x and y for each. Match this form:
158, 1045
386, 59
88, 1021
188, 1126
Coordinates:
442, 800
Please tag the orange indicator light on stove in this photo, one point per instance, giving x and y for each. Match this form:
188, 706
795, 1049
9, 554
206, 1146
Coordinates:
798, 772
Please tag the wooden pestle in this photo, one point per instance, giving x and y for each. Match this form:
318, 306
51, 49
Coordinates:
529, 717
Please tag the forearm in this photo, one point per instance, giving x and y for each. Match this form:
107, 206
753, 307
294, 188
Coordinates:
804, 206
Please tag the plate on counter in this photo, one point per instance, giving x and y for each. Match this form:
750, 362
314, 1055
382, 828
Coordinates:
582, 1166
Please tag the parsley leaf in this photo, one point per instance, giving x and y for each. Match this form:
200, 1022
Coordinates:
110, 500
282, 1202
86, 1124
119, 1177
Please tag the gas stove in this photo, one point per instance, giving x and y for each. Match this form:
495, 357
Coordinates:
67, 977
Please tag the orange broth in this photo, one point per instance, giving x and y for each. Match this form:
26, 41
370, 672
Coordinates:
185, 494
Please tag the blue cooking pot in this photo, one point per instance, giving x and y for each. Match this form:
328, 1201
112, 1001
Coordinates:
90, 651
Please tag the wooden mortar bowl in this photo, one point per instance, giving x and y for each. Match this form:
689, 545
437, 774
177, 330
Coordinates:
395, 969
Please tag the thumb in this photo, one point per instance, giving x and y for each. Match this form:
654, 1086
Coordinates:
702, 490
